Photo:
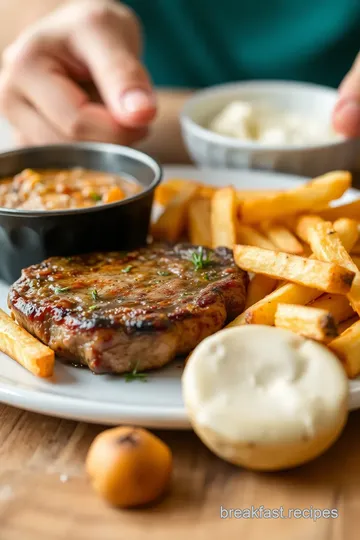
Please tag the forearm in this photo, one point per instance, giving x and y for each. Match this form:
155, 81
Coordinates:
165, 141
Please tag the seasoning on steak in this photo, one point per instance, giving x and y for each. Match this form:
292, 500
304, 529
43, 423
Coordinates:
115, 312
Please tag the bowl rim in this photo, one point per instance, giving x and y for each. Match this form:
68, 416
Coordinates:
111, 148
210, 136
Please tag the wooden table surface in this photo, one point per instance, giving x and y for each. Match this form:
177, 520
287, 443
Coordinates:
44, 493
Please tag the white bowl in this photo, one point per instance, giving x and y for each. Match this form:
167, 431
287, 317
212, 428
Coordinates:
211, 149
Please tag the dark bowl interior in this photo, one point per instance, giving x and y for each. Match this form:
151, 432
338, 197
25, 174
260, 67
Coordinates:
28, 237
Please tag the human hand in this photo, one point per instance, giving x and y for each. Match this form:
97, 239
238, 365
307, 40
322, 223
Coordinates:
346, 116
45, 70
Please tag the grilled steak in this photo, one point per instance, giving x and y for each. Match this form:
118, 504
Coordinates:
116, 312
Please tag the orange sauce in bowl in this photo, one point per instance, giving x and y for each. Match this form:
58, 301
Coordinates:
61, 189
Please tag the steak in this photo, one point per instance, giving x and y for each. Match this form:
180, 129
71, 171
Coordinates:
119, 312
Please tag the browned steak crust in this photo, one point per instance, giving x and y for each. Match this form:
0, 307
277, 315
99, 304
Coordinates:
117, 311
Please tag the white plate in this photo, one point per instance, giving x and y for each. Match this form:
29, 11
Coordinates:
78, 394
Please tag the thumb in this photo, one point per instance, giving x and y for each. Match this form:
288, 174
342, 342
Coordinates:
346, 115
108, 46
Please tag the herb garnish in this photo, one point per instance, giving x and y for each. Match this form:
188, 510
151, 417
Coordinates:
134, 375
127, 269
91, 308
164, 273
61, 289
94, 295
95, 196
200, 259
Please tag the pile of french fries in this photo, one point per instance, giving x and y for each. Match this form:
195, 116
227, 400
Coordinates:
303, 254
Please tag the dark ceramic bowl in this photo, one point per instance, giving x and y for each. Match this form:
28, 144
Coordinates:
29, 236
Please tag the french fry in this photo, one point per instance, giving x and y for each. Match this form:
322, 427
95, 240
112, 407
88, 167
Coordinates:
349, 210
327, 246
164, 194
224, 218
347, 348
307, 321
356, 249
304, 223
24, 348
282, 238
346, 324
251, 237
321, 190
263, 312
172, 222
245, 194
338, 305
348, 231
200, 222
325, 276
259, 287
356, 260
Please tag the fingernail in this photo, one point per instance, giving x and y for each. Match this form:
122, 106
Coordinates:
347, 117
137, 100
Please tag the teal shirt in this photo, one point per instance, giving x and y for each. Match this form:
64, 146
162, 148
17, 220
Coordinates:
197, 43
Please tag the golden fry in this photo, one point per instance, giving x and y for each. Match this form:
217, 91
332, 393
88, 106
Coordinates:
348, 231
304, 223
346, 324
329, 277
164, 194
338, 305
327, 246
356, 248
349, 210
347, 347
24, 348
263, 312
307, 321
251, 237
259, 287
224, 218
200, 222
323, 189
172, 222
282, 238
356, 260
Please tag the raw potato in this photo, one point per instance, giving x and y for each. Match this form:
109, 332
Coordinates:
253, 397
251, 237
200, 222
328, 277
224, 218
321, 190
24, 348
310, 322
129, 466
172, 222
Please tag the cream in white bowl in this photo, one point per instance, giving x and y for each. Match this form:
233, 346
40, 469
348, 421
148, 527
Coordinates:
310, 102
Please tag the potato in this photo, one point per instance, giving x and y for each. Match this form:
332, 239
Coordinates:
129, 466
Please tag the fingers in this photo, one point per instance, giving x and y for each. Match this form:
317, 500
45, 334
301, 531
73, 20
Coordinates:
95, 124
109, 47
346, 116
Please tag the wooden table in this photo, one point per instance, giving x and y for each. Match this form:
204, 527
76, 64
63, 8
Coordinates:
44, 493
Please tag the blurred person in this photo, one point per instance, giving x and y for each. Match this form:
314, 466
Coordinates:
74, 70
